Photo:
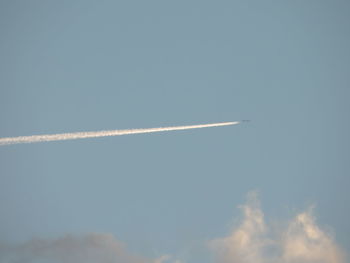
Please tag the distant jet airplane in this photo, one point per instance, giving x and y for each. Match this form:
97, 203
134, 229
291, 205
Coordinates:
245, 120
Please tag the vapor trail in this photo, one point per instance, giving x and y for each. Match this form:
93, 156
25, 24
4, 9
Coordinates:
95, 134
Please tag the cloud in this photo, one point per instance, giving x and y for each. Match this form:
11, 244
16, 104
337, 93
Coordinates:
253, 241
299, 240
304, 241
92, 248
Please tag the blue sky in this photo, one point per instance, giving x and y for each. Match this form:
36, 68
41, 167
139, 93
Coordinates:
78, 65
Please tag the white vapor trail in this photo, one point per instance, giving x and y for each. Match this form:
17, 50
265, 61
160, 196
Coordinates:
95, 134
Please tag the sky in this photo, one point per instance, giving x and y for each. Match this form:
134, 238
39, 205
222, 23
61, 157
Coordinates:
182, 196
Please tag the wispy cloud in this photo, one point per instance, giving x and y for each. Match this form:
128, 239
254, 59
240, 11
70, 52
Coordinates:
254, 241
304, 241
92, 248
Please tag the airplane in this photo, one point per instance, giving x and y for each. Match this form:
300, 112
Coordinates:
245, 120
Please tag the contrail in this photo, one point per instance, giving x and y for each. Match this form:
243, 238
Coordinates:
95, 134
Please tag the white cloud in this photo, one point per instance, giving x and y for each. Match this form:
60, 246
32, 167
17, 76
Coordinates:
253, 241
300, 240
304, 241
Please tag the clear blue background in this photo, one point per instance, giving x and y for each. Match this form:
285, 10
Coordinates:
79, 65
